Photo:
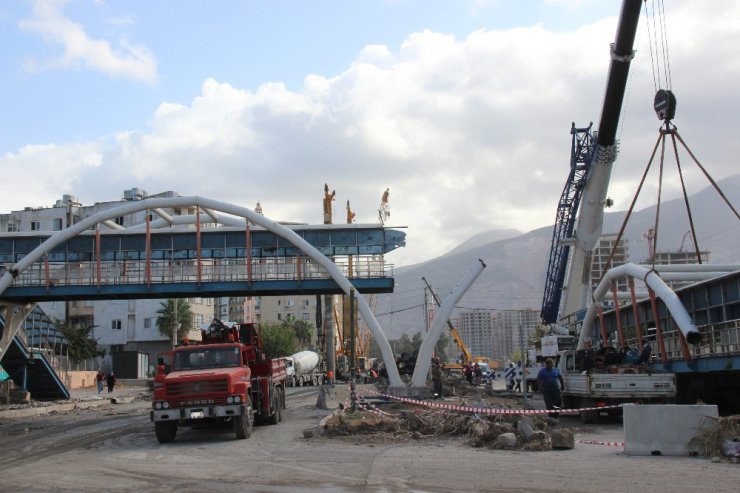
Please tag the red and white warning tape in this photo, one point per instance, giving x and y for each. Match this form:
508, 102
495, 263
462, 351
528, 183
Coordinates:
485, 410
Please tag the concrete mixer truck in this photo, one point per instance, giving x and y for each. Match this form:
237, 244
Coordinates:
303, 369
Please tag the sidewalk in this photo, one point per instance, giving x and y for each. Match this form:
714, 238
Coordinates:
79, 399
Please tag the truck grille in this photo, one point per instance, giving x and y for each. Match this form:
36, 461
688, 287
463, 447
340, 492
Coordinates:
196, 387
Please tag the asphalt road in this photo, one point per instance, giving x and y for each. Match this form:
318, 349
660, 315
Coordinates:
113, 449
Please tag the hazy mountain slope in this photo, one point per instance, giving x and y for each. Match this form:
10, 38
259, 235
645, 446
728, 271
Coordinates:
516, 266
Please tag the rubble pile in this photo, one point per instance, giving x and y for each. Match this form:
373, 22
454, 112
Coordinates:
719, 437
499, 431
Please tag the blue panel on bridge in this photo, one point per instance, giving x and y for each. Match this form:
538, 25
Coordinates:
226, 242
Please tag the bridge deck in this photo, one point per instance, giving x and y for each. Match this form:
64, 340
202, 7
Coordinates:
217, 262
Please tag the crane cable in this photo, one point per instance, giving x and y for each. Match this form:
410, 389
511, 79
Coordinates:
658, 43
670, 130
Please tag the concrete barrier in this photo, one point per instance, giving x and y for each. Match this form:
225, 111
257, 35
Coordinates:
663, 429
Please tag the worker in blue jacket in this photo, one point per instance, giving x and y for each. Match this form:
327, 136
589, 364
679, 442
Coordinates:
550, 382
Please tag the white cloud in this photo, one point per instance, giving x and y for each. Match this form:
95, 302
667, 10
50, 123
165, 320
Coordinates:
43, 173
469, 134
127, 60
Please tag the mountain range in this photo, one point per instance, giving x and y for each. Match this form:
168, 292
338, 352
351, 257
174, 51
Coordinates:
517, 262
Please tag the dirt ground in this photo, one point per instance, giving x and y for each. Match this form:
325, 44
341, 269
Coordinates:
113, 449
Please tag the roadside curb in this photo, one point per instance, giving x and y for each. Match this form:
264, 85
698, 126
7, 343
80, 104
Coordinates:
59, 408
319, 430
84, 402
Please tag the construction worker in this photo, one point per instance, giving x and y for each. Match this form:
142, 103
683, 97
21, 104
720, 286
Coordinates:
550, 382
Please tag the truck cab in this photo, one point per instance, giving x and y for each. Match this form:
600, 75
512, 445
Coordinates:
223, 379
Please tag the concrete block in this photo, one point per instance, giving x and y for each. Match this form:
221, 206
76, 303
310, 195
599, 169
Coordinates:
506, 440
327, 398
562, 439
524, 427
665, 429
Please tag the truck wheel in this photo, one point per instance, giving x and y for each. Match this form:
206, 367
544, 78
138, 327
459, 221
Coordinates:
165, 431
243, 424
275, 404
281, 404
588, 417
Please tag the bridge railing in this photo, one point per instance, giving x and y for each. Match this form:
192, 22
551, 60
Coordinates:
190, 271
718, 339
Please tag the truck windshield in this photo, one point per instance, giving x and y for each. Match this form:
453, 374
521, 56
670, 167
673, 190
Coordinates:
206, 357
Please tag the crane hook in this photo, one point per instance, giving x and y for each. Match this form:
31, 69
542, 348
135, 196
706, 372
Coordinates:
664, 105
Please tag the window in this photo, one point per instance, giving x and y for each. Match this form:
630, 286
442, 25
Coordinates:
290, 302
119, 220
306, 302
35, 225
57, 224
304, 317
12, 227
280, 316
147, 323
279, 301
115, 324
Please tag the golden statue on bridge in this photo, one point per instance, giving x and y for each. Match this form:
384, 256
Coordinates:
328, 199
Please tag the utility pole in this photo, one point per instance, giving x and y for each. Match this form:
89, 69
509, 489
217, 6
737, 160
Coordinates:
329, 299
352, 394
523, 359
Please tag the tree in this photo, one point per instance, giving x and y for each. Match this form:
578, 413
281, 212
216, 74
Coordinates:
79, 344
277, 339
174, 312
440, 349
302, 330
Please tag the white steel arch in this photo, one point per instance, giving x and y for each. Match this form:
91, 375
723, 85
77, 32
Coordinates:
208, 206
652, 279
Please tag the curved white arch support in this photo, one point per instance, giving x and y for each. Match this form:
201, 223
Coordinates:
278, 229
166, 217
112, 225
440, 321
653, 280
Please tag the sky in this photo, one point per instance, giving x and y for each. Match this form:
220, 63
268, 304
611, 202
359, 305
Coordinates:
462, 109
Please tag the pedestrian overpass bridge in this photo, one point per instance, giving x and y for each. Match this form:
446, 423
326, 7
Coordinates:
221, 250
207, 262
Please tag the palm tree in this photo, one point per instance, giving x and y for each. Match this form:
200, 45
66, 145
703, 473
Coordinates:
303, 331
174, 313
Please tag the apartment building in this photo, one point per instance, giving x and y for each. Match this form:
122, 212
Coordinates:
118, 325
476, 329
600, 257
506, 330
279, 308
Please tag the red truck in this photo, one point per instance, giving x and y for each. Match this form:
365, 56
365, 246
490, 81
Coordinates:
223, 378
